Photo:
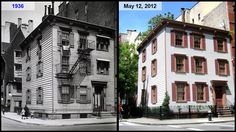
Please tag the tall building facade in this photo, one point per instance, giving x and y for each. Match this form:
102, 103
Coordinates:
192, 63
68, 69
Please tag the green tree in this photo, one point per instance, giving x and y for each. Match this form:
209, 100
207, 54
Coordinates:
128, 69
165, 105
153, 22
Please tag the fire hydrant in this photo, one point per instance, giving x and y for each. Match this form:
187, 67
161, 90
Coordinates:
209, 115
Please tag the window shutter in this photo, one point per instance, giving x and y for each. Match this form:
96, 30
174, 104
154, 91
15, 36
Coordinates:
59, 38
206, 92
203, 41
88, 95
185, 35
59, 94
215, 44
192, 65
205, 65
155, 65
191, 41
154, 99
173, 63
72, 92
227, 68
186, 64
174, 92
225, 46
217, 67
72, 40
194, 91
188, 92
172, 38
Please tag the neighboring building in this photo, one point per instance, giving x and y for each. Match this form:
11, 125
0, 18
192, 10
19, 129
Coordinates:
101, 13
190, 62
68, 69
217, 14
13, 68
131, 37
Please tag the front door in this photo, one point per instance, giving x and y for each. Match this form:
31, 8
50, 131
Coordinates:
99, 98
219, 95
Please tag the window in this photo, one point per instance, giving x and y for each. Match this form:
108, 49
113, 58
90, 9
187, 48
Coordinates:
39, 52
83, 97
103, 43
18, 53
222, 67
144, 73
28, 74
179, 64
154, 68
65, 36
18, 67
180, 91
103, 67
65, 94
144, 55
39, 69
198, 65
64, 68
83, 42
28, 96
220, 45
154, 46
39, 94
197, 41
200, 92
65, 60
28, 54
178, 38
154, 95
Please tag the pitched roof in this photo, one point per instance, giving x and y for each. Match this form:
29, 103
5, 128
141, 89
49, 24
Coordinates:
182, 25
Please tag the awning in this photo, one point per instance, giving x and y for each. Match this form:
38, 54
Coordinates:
103, 59
219, 82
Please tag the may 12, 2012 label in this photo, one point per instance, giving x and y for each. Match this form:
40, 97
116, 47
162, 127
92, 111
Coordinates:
140, 6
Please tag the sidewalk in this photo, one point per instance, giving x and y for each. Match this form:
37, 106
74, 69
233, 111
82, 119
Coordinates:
59, 122
149, 121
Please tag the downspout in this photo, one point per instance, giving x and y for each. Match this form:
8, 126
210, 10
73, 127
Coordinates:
52, 76
165, 62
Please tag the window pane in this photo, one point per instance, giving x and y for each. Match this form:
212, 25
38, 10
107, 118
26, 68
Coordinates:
178, 38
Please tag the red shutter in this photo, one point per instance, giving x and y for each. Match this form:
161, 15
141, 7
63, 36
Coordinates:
186, 64
172, 38
174, 92
215, 44
191, 41
155, 67
217, 67
185, 40
225, 45
227, 68
206, 92
173, 63
194, 91
205, 65
188, 92
192, 65
203, 42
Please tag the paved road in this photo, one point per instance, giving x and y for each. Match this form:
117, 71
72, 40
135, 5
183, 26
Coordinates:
7, 124
227, 126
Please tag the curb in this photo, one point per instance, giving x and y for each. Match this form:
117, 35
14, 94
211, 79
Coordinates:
179, 123
111, 122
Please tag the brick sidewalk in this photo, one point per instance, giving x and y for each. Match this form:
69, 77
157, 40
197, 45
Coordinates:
59, 122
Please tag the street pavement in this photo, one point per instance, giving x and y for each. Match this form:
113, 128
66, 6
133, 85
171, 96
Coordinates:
225, 126
12, 125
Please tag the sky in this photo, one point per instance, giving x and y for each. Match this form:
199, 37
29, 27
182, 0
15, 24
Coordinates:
138, 20
35, 14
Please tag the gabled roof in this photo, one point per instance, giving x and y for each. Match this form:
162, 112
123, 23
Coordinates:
72, 22
181, 25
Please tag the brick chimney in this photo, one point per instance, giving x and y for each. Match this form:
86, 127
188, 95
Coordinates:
30, 26
19, 22
183, 14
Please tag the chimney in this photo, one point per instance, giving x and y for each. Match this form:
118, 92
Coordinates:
45, 6
183, 14
19, 22
52, 7
49, 9
30, 26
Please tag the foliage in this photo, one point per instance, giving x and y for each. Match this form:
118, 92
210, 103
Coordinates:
153, 22
128, 69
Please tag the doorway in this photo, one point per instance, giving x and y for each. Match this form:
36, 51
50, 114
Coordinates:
99, 100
